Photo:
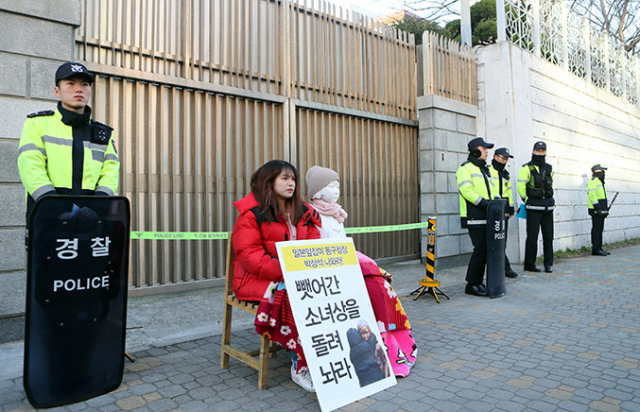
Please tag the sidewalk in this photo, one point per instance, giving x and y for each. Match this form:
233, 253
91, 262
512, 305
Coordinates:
566, 341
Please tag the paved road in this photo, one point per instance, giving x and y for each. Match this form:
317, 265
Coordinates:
566, 341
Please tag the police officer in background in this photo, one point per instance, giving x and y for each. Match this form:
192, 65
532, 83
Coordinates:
502, 181
598, 208
474, 188
65, 151
535, 187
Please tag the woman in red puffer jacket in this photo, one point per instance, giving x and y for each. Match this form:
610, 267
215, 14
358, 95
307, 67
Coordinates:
272, 212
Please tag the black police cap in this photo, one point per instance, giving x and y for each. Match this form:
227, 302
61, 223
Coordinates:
477, 142
540, 145
67, 70
597, 168
504, 152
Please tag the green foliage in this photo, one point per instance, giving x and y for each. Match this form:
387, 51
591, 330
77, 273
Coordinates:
486, 31
417, 27
484, 10
483, 24
452, 30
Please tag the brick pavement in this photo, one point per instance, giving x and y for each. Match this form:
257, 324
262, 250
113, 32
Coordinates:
567, 341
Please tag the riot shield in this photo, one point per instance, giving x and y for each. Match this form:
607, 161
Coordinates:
78, 257
495, 248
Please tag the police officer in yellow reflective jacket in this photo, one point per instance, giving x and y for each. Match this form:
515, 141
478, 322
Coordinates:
502, 182
65, 151
598, 208
535, 187
475, 190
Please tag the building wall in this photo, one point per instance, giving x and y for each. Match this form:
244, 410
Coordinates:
523, 99
445, 128
41, 38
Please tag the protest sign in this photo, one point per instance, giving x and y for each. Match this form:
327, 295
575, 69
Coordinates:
335, 320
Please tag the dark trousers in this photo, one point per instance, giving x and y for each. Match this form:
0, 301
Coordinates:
537, 220
596, 232
478, 261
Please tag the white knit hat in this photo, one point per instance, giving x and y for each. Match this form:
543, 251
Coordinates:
318, 177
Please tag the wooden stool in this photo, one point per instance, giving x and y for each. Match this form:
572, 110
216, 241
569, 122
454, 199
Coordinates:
257, 359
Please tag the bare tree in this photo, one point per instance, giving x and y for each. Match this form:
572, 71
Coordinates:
619, 18
435, 10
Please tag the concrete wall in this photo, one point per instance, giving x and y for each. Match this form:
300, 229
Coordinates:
37, 36
523, 99
445, 128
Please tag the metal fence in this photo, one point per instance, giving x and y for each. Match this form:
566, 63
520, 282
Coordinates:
446, 68
549, 29
202, 93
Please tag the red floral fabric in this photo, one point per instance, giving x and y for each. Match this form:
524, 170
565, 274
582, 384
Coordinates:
274, 320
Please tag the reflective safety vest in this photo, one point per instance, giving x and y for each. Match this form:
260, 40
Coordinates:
475, 190
502, 182
45, 158
597, 197
535, 187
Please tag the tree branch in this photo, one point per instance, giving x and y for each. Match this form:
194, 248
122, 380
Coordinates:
630, 46
607, 23
623, 14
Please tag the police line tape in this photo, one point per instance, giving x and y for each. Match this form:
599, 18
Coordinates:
225, 235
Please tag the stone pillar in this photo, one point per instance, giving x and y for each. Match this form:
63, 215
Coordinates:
445, 128
505, 118
37, 36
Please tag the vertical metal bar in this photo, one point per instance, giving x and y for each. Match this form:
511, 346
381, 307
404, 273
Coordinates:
223, 44
587, 46
637, 66
233, 39
199, 170
623, 69
536, 27
247, 49
204, 25
165, 119
194, 53
262, 76
153, 34
501, 19
465, 22
99, 33
218, 194
208, 159
607, 62
186, 38
565, 34
144, 175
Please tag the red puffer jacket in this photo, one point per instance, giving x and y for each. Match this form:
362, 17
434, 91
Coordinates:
256, 264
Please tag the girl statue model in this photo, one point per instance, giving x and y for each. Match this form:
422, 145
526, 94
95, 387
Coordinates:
324, 190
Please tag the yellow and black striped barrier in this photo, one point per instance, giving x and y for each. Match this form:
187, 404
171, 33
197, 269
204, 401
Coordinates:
429, 284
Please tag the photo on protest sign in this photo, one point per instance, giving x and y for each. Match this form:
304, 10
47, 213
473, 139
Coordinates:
335, 320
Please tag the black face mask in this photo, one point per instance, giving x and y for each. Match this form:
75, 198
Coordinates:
497, 165
538, 160
599, 174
